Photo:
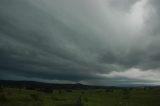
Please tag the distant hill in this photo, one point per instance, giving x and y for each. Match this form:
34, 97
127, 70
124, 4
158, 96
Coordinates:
42, 85
35, 84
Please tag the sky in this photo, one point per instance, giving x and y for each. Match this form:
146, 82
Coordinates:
97, 42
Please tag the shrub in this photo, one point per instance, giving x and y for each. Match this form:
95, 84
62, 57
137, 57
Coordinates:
3, 98
35, 97
69, 90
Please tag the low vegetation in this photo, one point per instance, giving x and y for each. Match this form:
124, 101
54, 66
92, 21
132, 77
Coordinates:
80, 97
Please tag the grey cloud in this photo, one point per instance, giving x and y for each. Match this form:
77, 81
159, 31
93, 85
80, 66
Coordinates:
74, 40
123, 5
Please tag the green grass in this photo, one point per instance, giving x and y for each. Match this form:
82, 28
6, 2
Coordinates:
92, 97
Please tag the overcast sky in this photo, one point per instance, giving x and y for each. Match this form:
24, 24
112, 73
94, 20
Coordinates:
100, 42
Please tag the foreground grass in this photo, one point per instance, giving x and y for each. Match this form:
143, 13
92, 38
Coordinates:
90, 97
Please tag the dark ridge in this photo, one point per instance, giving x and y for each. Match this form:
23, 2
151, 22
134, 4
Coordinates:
42, 85
37, 85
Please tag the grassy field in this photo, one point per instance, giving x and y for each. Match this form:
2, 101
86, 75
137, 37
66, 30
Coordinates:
89, 97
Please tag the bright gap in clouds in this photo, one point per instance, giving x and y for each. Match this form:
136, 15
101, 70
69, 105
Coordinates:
138, 14
136, 74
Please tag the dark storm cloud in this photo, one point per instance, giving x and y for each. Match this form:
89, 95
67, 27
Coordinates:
34, 43
78, 41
